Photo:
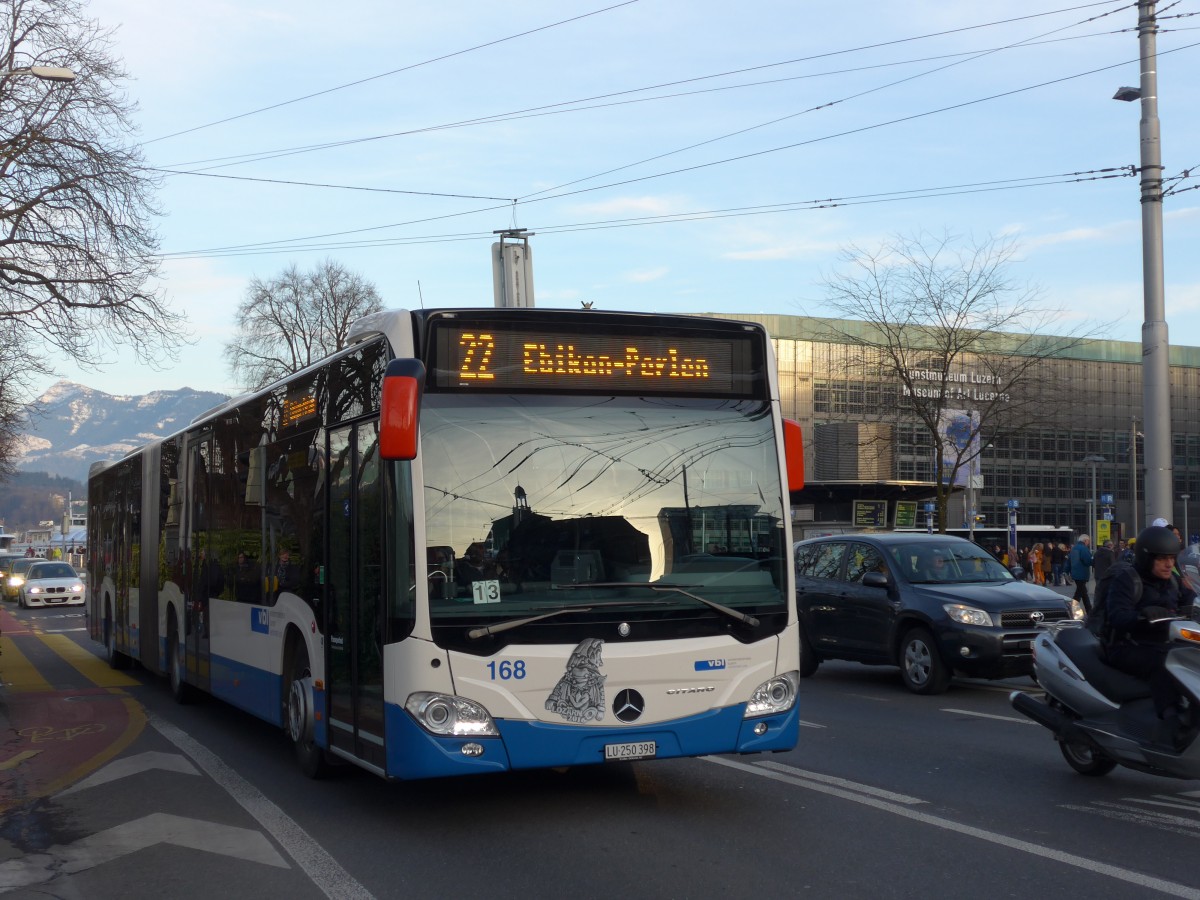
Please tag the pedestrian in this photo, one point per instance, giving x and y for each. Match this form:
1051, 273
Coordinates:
1080, 561
1103, 559
1048, 563
1035, 563
1058, 560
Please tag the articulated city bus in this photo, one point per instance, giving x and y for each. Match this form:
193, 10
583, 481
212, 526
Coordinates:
473, 541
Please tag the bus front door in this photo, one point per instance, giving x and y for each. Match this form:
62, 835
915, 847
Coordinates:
355, 593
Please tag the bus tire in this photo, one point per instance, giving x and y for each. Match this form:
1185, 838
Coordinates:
181, 691
116, 659
299, 715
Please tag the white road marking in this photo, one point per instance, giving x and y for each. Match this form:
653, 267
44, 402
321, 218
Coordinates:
1134, 816
1168, 801
966, 712
811, 724
1070, 859
157, 828
843, 783
316, 862
132, 765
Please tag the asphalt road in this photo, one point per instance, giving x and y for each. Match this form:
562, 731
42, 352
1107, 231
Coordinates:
887, 795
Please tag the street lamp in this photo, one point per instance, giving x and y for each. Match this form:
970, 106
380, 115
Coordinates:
1093, 459
1185, 498
1156, 371
46, 73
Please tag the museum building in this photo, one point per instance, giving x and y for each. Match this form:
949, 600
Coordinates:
860, 445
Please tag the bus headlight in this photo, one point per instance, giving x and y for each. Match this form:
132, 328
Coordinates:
449, 715
774, 696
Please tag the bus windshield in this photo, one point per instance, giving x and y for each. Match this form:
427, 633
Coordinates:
538, 503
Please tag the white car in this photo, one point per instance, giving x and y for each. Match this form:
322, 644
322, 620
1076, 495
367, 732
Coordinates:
51, 584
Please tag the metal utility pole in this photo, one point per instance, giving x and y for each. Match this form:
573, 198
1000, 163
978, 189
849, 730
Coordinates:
1133, 473
1156, 370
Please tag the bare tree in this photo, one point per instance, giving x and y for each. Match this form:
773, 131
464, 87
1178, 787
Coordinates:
964, 344
77, 251
295, 319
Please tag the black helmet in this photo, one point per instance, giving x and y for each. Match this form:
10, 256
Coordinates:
1153, 541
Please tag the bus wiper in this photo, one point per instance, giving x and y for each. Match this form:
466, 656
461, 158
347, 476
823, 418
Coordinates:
662, 589
476, 633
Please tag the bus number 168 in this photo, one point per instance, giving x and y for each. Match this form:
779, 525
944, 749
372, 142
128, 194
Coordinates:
506, 669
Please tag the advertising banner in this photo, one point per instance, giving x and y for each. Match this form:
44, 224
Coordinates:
959, 433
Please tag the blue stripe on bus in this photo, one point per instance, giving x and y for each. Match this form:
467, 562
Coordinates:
414, 753
257, 691
247, 687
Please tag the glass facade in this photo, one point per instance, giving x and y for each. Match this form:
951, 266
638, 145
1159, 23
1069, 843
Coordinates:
1095, 409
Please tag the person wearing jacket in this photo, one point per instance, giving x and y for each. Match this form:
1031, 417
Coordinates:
1138, 643
1080, 563
1103, 559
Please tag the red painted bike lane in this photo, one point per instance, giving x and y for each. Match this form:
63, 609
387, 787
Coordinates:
63, 713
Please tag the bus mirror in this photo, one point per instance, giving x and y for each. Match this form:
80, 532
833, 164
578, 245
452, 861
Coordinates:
400, 408
793, 452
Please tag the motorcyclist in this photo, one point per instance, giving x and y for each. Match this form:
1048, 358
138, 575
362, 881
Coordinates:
1137, 644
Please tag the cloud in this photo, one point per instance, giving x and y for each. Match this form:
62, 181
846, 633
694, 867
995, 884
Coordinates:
561, 295
641, 276
778, 247
632, 206
1182, 298
1107, 232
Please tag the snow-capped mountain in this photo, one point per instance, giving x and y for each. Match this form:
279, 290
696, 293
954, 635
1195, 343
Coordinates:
72, 426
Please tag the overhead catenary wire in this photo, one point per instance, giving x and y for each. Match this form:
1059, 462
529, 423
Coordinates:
850, 131
271, 154
543, 198
571, 106
407, 68
694, 216
821, 106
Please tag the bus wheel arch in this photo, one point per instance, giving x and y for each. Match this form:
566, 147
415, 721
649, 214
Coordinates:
181, 691
299, 715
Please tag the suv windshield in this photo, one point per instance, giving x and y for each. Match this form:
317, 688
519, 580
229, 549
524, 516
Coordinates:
539, 504
955, 562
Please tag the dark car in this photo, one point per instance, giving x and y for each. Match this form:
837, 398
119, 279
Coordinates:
931, 604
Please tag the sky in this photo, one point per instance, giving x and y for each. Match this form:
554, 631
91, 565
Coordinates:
667, 156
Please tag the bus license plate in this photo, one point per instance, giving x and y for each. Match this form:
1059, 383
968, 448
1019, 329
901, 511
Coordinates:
635, 750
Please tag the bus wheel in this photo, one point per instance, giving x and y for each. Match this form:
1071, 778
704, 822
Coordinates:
116, 659
181, 691
300, 715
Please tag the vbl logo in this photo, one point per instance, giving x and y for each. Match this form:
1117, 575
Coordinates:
260, 620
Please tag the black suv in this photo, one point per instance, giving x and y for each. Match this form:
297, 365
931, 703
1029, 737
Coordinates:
929, 603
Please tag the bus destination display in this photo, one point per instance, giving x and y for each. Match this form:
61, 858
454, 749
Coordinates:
506, 359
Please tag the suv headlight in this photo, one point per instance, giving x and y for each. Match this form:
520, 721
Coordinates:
774, 696
967, 615
448, 715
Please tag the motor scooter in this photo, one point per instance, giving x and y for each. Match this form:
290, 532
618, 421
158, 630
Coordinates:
1102, 717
